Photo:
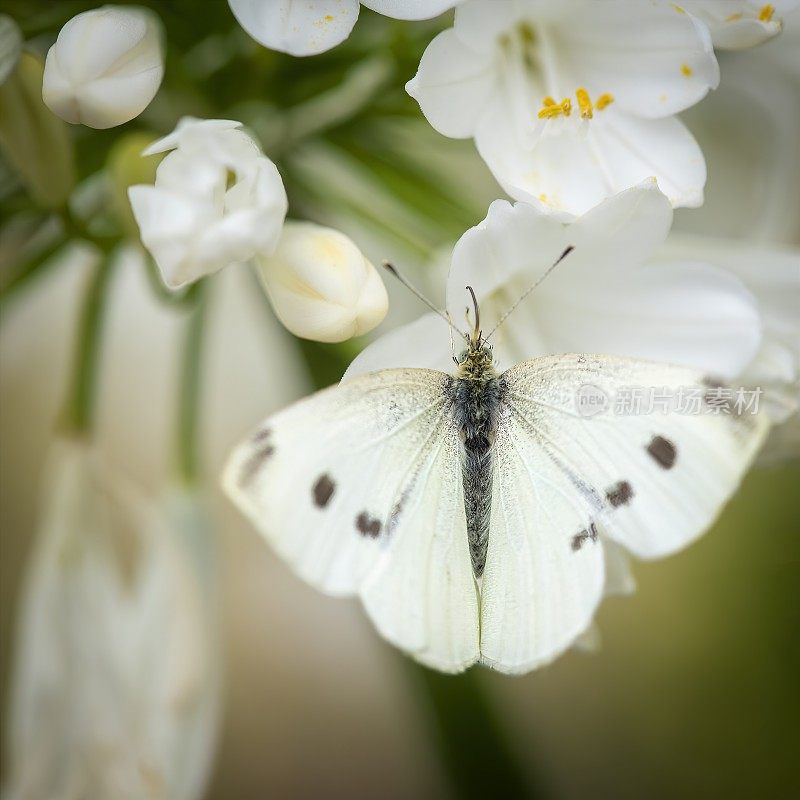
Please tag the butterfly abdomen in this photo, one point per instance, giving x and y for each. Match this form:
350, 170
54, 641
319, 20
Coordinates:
476, 403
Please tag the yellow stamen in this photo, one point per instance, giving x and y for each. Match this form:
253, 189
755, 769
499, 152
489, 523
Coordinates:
604, 100
679, 9
687, 70
765, 15
543, 197
584, 103
550, 109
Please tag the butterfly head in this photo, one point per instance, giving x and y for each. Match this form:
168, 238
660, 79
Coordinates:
477, 361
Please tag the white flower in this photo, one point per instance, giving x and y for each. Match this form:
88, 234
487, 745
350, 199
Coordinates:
571, 101
114, 690
771, 272
105, 67
748, 132
308, 27
321, 285
608, 296
736, 24
217, 199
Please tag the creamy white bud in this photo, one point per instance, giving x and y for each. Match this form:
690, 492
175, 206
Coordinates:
321, 285
105, 67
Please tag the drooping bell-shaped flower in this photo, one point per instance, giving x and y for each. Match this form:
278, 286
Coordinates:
115, 681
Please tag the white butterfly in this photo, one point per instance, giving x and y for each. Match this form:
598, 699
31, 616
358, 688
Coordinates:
469, 512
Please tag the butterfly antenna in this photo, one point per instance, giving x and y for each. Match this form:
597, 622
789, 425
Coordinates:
476, 332
418, 294
529, 290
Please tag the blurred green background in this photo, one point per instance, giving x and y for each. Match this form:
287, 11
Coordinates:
695, 692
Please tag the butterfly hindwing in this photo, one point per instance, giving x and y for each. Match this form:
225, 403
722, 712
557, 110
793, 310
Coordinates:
564, 482
358, 487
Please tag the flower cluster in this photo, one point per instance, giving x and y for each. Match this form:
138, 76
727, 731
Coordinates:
591, 123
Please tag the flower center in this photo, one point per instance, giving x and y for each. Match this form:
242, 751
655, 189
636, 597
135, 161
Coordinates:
551, 109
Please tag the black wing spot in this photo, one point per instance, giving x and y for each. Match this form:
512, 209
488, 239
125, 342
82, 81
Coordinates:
323, 490
367, 525
579, 538
663, 452
619, 494
262, 436
254, 462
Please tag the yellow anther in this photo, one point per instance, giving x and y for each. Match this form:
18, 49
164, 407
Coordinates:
604, 101
679, 9
550, 109
766, 12
687, 70
584, 103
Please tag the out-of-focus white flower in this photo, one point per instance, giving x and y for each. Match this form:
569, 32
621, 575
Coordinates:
771, 272
321, 285
105, 67
748, 132
115, 686
570, 101
217, 199
737, 24
308, 27
607, 297
722, 306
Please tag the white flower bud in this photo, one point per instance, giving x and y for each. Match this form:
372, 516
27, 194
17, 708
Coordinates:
321, 285
105, 67
217, 200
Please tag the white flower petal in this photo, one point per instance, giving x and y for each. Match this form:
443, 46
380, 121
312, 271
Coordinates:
422, 343
297, 27
654, 59
167, 222
576, 169
683, 313
479, 23
410, 9
512, 241
189, 130
453, 85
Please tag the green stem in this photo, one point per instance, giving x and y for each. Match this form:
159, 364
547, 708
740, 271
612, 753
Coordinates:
86, 361
473, 750
190, 388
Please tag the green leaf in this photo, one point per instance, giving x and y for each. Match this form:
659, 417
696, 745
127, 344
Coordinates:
35, 141
10, 46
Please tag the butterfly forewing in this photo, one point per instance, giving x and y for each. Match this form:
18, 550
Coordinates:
564, 481
358, 487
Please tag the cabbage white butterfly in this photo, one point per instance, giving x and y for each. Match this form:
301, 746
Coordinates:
469, 511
